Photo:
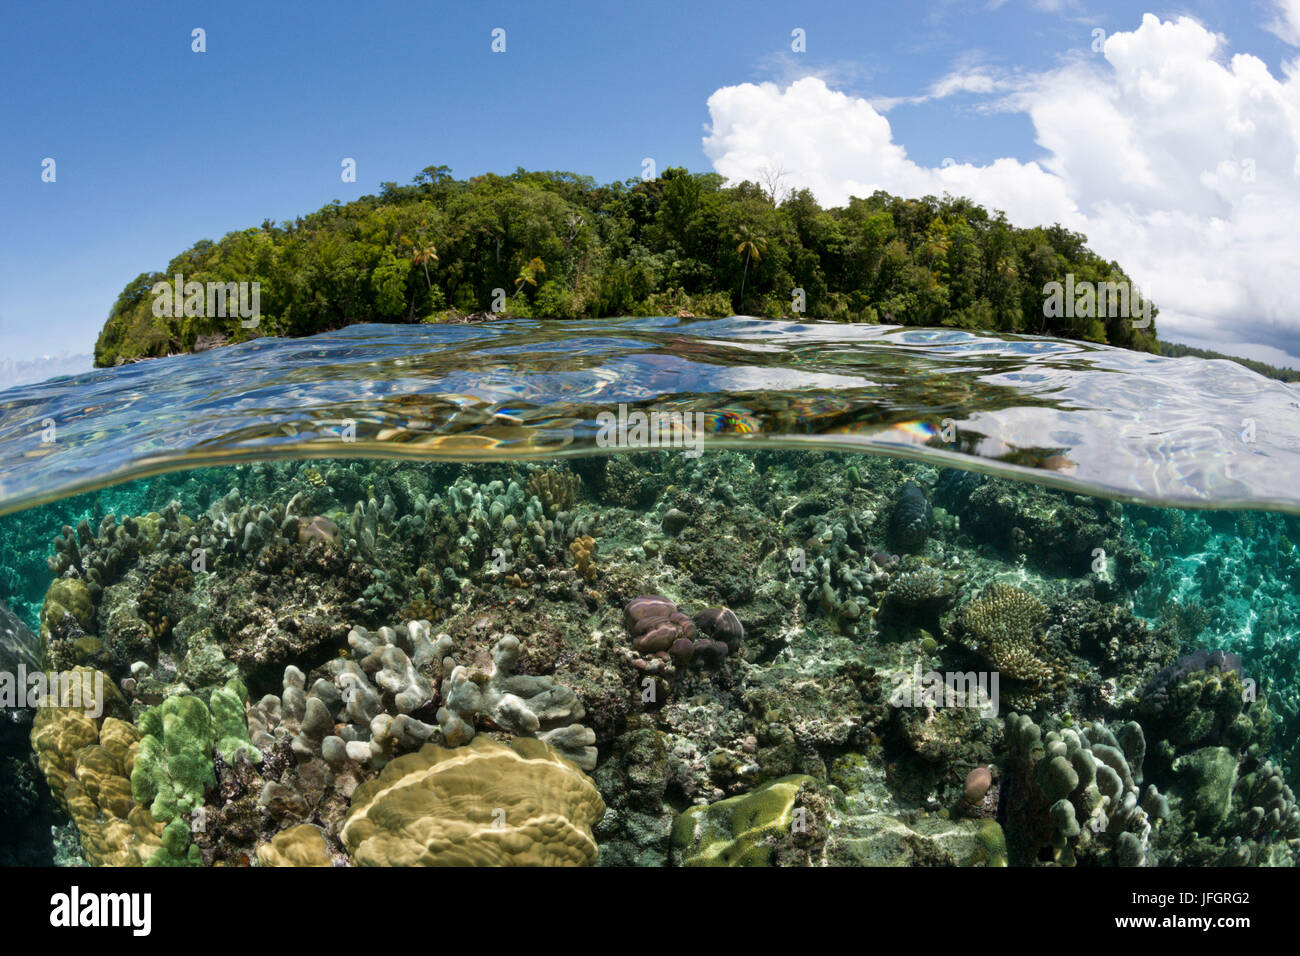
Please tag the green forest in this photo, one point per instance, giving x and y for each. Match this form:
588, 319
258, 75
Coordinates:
1174, 350
556, 244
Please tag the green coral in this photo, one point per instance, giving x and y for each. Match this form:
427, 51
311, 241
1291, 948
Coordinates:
177, 738
1208, 776
1208, 707
919, 585
990, 846
230, 726
740, 831
174, 765
176, 849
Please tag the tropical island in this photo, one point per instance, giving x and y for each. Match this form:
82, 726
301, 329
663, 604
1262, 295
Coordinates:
558, 245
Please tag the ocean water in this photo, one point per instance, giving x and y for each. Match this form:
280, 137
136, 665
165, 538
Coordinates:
723, 592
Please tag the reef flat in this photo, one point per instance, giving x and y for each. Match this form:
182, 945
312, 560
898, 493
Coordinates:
767, 658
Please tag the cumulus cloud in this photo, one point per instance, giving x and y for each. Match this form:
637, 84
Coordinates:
1182, 165
1286, 21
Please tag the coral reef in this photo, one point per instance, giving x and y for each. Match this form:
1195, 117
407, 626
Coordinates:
1078, 795
486, 804
859, 582
777, 823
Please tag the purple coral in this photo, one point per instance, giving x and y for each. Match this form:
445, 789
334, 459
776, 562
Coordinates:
721, 624
656, 624
660, 629
977, 784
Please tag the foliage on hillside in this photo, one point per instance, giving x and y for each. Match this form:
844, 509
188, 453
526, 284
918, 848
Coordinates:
558, 245
1174, 350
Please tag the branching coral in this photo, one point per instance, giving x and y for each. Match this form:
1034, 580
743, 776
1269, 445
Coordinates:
1004, 623
236, 526
555, 488
100, 556
584, 556
519, 704
919, 586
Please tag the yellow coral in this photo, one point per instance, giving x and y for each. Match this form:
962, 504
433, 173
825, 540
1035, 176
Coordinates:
584, 553
485, 804
303, 845
67, 596
1004, 621
87, 764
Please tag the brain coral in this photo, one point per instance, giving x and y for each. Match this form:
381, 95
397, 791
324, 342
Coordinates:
485, 804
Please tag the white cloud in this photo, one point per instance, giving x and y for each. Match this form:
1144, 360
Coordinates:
1286, 21
1181, 165
840, 146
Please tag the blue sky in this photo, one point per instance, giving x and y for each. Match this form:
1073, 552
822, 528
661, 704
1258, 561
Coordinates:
157, 146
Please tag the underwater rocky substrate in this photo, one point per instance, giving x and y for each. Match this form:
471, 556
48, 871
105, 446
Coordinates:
647, 660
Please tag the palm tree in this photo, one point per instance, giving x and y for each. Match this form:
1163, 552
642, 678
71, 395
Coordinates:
752, 247
422, 251
528, 274
421, 257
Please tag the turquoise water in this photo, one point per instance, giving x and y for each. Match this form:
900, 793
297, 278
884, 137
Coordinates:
1103, 542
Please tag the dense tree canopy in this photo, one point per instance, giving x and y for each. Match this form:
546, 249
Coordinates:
1174, 350
558, 245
